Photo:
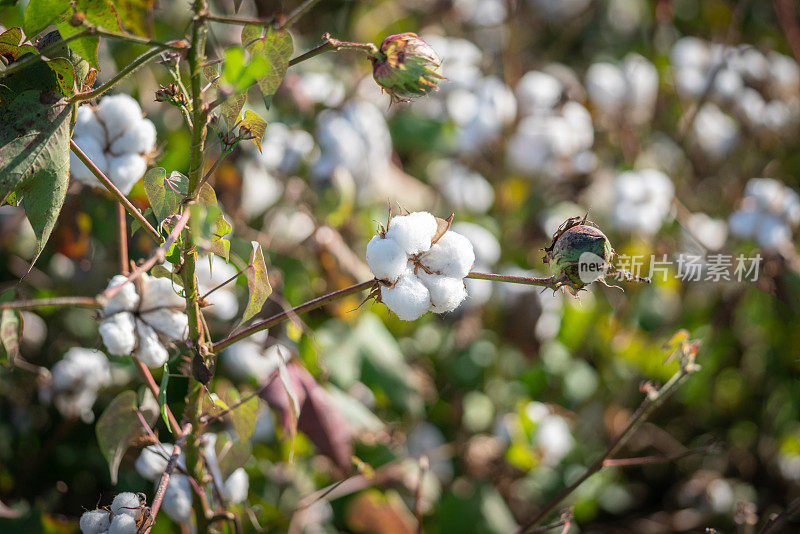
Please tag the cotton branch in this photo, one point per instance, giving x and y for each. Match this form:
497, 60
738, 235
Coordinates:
162, 484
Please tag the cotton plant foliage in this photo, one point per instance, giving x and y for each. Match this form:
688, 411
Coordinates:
419, 268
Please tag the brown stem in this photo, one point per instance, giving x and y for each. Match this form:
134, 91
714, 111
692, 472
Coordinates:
162, 484
116, 193
223, 284
645, 460
334, 44
88, 302
549, 282
122, 237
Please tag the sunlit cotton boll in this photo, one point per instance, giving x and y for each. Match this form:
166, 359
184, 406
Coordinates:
452, 256
260, 189
126, 503
553, 436
95, 522
236, 485
125, 170
538, 92
414, 232
117, 332
177, 501
88, 125
386, 259
408, 298
481, 12
149, 349
715, 133
490, 107
607, 88
152, 461
94, 151
642, 78
768, 213
123, 524
643, 200
463, 188
118, 112
76, 379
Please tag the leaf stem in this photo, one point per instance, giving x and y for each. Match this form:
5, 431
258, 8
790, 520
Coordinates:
549, 282
135, 64
334, 44
116, 193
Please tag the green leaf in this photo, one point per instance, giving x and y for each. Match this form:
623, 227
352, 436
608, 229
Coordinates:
10, 47
256, 125
162, 397
34, 156
231, 455
99, 13
215, 227
232, 105
136, 16
115, 429
42, 13
276, 48
159, 271
136, 225
10, 336
294, 404
65, 74
257, 283
165, 193
85, 47
243, 418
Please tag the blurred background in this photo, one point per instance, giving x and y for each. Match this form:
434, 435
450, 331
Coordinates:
674, 124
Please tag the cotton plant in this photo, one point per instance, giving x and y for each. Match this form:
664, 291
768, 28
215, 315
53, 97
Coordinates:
643, 200
463, 188
75, 381
116, 138
769, 214
421, 265
626, 91
140, 322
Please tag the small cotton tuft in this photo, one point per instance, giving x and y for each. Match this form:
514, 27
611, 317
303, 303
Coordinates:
118, 112
151, 462
386, 259
451, 256
413, 232
94, 522
87, 125
409, 299
177, 501
126, 503
123, 524
125, 170
117, 333
173, 324
235, 488
139, 138
446, 293
150, 350
94, 151
125, 300
159, 293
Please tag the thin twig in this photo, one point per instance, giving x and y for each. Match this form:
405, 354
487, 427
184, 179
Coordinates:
223, 284
122, 237
295, 15
549, 282
116, 193
87, 302
135, 64
334, 44
646, 460
779, 520
162, 484
170, 45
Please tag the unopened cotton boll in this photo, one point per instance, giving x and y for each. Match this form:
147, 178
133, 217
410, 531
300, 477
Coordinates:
117, 332
139, 138
414, 232
95, 522
94, 151
177, 501
446, 293
126, 503
125, 170
87, 125
236, 485
118, 112
451, 256
123, 524
150, 350
386, 259
125, 300
409, 299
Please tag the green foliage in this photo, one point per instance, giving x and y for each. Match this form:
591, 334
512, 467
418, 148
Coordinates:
258, 286
214, 226
116, 427
256, 125
275, 47
165, 193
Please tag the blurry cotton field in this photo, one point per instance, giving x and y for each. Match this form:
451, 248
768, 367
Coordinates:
396, 266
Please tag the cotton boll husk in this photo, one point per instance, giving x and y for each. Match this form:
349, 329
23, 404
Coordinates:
385, 258
414, 232
150, 350
118, 112
173, 324
87, 125
451, 256
123, 524
138, 138
409, 299
126, 503
125, 171
117, 333
235, 488
94, 151
94, 522
160, 293
446, 293
607, 88
125, 300
177, 501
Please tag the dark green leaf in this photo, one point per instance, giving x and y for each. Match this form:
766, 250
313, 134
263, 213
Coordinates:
10, 336
256, 125
42, 13
231, 454
165, 193
257, 283
115, 429
65, 74
136, 16
159, 271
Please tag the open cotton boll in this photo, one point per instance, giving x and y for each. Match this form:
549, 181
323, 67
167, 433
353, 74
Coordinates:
160, 293
94, 151
773, 234
173, 324
177, 501
235, 488
385, 258
126, 503
607, 88
87, 125
446, 293
150, 350
118, 112
123, 524
642, 77
138, 138
538, 92
414, 232
94, 522
151, 461
125, 170
484, 243
715, 132
125, 300
117, 333
409, 299
451, 256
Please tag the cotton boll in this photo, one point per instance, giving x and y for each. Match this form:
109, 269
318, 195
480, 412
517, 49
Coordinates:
409, 299
607, 88
150, 350
463, 188
177, 501
235, 488
139, 138
538, 92
223, 304
446, 293
123, 524
87, 125
579, 121
160, 293
784, 74
95, 522
715, 132
690, 52
691, 82
414, 232
260, 189
117, 113
126, 503
94, 151
642, 77
484, 243
554, 438
711, 232
743, 223
727, 84
386, 259
117, 333
451, 256
773, 234
749, 105
151, 462
76, 379
125, 170
125, 300
173, 324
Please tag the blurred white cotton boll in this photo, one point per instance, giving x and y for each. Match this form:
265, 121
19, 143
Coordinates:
538, 92
94, 151
177, 501
688, 52
159, 293
87, 125
768, 213
784, 74
711, 232
494, 108
321, 88
290, 225
173, 324
95, 522
607, 88
555, 439
152, 461
247, 360
123, 524
283, 149
642, 78
212, 271
125, 170
149, 349
117, 332
484, 243
715, 132
260, 189
481, 12
76, 379
409, 299
139, 137
118, 112
236, 485
643, 200
463, 188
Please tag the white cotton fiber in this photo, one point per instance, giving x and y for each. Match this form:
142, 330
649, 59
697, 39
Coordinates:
409, 299
125, 300
87, 125
446, 293
151, 461
118, 112
413, 232
177, 501
150, 350
126, 503
123, 524
385, 258
173, 324
235, 488
139, 138
160, 293
125, 170
451, 256
94, 522
117, 333
94, 151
